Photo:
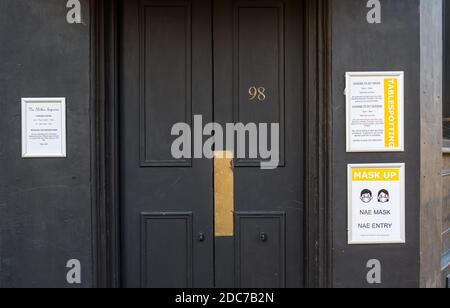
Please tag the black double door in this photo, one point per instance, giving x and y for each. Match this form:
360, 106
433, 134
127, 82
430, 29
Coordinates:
181, 58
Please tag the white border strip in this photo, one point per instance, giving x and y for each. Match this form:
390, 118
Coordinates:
44, 100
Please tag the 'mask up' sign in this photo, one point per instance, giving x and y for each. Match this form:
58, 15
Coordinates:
376, 204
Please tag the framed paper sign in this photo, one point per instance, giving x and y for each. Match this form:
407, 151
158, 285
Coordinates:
376, 204
375, 111
43, 127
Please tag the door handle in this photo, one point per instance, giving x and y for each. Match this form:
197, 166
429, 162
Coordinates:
263, 237
201, 237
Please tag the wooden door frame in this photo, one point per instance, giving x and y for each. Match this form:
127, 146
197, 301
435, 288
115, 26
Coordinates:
104, 139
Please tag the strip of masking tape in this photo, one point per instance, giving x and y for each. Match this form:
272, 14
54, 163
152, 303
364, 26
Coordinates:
223, 194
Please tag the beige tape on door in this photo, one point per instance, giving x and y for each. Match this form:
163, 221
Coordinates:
223, 194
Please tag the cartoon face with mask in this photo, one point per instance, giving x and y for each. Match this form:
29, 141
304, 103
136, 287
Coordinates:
366, 196
383, 196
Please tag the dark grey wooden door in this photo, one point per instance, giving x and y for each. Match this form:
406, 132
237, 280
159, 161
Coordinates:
258, 43
181, 58
166, 78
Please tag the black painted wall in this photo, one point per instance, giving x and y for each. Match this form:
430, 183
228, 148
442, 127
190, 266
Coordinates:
45, 206
393, 45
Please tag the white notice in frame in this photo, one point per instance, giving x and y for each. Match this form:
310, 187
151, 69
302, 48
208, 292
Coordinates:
43, 127
375, 111
376, 198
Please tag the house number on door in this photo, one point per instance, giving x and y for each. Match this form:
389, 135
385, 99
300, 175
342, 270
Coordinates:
257, 93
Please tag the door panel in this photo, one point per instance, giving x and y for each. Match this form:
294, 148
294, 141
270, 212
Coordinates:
166, 73
258, 51
170, 235
259, 43
260, 250
166, 85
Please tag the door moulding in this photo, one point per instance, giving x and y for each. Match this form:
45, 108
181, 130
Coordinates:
104, 138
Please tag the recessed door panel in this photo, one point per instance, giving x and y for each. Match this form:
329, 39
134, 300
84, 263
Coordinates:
258, 62
260, 250
166, 250
165, 77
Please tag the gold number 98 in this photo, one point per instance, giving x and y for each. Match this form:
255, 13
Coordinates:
258, 93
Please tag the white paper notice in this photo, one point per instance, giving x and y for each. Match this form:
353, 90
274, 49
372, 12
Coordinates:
43, 127
375, 110
376, 204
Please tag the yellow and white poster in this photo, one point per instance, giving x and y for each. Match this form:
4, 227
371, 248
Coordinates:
376, 204
375, 111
